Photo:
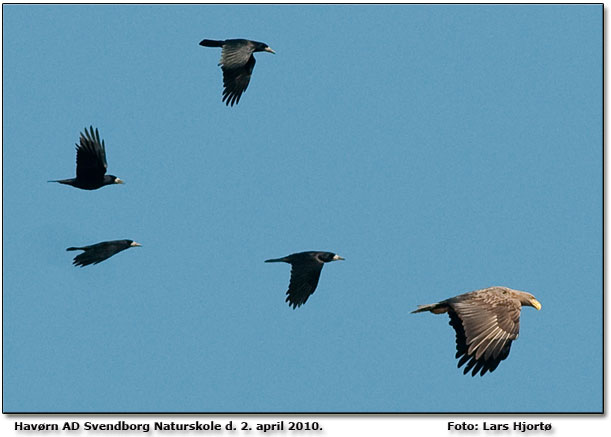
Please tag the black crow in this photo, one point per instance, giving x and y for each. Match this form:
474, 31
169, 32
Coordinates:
305, 272
90, 163
96, 253
237, 63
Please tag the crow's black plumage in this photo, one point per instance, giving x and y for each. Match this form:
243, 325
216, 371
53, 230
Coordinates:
96, 253
237, 62
305, 273
90, 163
486, 322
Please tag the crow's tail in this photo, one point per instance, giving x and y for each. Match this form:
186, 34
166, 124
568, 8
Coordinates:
211, 43
277, 260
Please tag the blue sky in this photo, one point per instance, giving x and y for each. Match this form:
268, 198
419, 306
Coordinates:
439, 149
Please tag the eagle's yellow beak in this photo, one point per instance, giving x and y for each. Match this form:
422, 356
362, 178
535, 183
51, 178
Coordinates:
535, 303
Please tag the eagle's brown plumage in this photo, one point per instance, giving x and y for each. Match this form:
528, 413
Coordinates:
486, 322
